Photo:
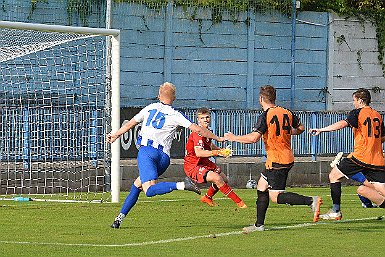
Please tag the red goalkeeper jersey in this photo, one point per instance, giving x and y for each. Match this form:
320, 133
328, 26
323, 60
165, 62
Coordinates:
191, 160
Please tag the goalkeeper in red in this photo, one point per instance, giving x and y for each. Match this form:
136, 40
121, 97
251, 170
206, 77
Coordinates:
275, 126
199, 167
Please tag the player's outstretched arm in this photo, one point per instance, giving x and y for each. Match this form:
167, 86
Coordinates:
205, 132
123, 129
335, 126
250, 138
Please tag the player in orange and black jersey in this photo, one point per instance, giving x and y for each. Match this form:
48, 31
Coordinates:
366, 163
275, 126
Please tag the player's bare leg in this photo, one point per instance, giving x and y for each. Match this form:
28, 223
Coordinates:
372, 194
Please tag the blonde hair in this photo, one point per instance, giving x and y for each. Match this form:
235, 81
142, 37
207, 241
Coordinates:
203, 110
167, 90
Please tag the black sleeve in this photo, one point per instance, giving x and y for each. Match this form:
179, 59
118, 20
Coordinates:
382, 129
296, 120
352, 118
261, 125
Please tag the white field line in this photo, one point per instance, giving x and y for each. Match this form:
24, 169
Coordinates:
139, 201
165, 241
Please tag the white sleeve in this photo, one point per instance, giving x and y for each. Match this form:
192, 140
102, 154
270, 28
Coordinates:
182, 120
139, 117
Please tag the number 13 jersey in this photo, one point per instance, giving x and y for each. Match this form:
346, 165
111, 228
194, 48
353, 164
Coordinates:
368, 128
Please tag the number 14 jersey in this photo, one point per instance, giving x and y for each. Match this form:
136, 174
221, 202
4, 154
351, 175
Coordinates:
275, 125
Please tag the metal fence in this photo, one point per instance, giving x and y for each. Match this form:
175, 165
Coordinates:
51, 134
241, 122
38, 135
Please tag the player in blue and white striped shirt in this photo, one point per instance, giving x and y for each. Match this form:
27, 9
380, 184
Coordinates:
159, 123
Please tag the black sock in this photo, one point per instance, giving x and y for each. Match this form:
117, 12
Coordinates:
294, 199
262, 205
382, 205
335, 191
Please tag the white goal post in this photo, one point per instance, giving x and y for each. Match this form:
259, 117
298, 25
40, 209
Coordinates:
57, 104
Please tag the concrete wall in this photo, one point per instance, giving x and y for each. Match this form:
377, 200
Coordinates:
353, 63
222, 65
218, 65
304, 173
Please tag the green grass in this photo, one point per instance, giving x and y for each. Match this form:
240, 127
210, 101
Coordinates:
186, 227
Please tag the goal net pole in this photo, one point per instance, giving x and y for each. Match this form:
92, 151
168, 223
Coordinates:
115, 83
115, 118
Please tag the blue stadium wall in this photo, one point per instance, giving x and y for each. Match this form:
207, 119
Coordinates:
220, 65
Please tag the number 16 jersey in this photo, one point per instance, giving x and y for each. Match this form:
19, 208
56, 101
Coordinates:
159, 123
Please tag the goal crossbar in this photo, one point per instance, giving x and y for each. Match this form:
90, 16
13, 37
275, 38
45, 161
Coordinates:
59, 28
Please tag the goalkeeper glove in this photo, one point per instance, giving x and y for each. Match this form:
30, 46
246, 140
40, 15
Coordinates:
224, 152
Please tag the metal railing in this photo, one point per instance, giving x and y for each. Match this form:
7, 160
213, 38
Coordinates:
241, 122
36, 134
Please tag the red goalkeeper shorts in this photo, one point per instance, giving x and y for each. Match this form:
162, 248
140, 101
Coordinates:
199, 173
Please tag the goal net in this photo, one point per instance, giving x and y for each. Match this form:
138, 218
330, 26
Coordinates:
55, 109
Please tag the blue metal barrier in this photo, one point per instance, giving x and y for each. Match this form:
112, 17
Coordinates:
75, 133
241, 122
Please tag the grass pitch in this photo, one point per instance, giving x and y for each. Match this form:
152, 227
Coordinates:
178, 224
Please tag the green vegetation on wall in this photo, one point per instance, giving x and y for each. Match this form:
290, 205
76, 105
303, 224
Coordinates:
83, 8
372, 10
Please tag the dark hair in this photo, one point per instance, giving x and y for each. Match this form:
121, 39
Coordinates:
363, 94
268, 93
203, 110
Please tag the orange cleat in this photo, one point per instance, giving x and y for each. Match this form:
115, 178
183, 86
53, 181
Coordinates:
209, 201
315, 206
242, 205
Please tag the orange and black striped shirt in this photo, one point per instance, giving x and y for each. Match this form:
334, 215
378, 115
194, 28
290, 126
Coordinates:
368, 128
275, 125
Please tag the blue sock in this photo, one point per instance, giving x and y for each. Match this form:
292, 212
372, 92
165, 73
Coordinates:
131, 199
366, 201
161, 188
336, 207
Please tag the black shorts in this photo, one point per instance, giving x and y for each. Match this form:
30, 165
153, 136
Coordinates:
350, 167
276, 178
